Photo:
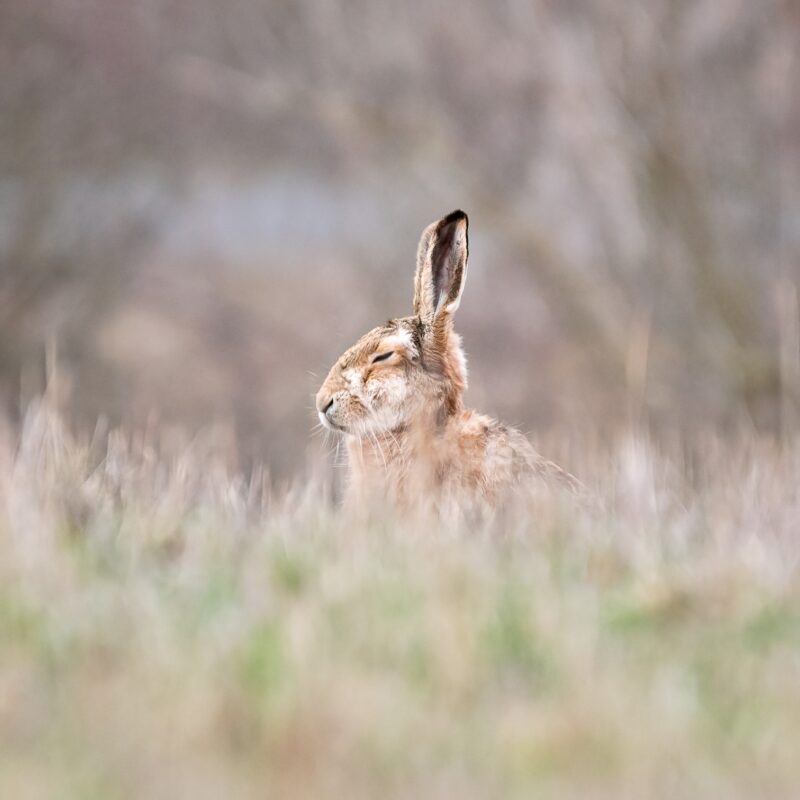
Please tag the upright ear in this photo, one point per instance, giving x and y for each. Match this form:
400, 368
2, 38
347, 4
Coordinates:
441, 267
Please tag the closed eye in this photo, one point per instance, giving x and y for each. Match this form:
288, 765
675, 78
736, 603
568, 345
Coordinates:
382, 356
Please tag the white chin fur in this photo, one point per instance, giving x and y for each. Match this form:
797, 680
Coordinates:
328, 424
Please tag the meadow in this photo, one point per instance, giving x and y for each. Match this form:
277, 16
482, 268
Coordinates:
169, 628
202, 204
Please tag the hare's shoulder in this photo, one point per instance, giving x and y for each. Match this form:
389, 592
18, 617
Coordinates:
475, 429
504, 455
501, 453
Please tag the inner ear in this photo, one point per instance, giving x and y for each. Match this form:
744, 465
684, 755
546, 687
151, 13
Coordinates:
449, 261
441, 266
442, 269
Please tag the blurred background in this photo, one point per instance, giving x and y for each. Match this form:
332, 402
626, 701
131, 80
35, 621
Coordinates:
202, 204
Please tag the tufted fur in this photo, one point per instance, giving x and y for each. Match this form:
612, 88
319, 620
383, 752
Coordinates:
410, 440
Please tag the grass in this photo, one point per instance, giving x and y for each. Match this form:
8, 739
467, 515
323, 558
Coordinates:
168, 629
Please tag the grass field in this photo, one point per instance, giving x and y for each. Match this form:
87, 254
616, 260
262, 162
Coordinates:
168, 630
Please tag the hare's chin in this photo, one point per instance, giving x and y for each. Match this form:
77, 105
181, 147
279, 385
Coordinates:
331, 426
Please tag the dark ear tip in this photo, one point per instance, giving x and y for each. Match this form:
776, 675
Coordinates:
455, 216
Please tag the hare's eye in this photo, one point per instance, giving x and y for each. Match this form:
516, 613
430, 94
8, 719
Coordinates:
382, 356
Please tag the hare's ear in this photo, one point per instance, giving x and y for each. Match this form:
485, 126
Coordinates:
441, 266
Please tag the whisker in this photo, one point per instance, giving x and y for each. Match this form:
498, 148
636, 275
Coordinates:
402, 456
338, 460
380, 450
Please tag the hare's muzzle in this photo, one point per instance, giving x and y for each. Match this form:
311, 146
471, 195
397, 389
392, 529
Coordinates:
326, 408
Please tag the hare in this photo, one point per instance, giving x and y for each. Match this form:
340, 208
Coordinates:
397, 397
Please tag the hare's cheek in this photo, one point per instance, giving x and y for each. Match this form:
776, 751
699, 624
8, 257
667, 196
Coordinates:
354, 381
388, 392
374, 393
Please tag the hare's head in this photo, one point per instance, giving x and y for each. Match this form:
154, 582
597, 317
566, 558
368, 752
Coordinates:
410, 366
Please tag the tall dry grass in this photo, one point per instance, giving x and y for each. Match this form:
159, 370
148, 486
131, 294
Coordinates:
171, 629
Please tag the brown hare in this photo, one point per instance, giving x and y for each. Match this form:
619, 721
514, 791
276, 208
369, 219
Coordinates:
397, 396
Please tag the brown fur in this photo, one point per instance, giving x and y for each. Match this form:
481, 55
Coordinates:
410, 440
